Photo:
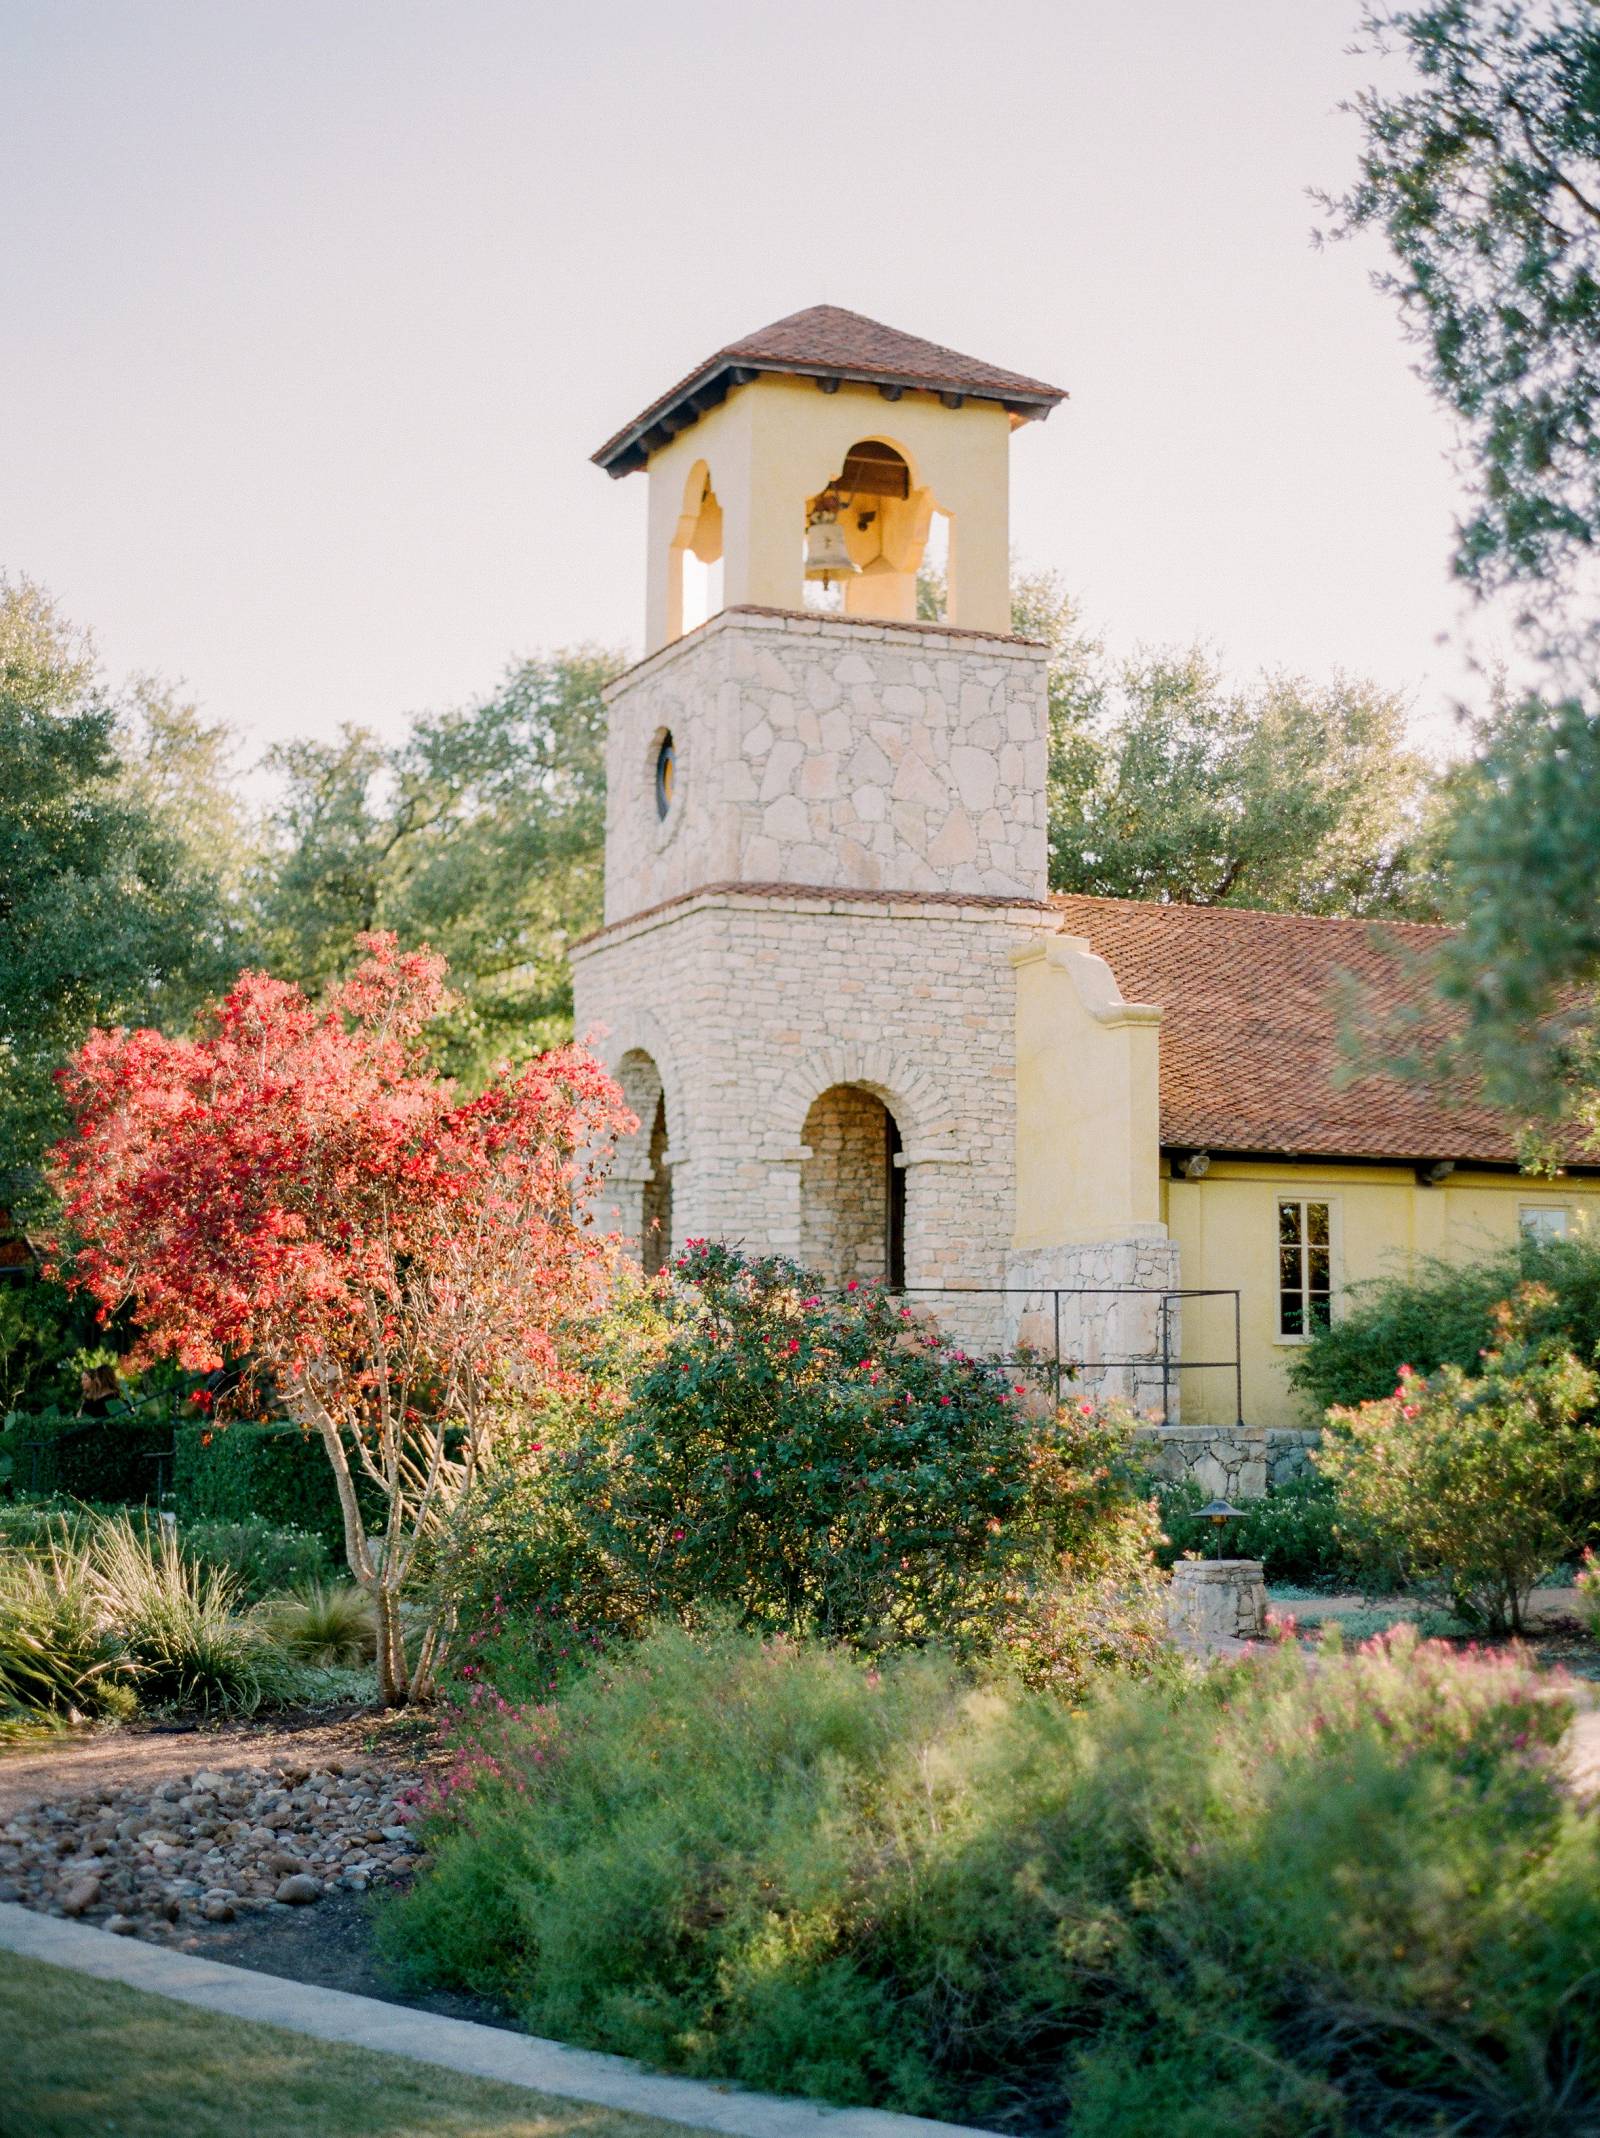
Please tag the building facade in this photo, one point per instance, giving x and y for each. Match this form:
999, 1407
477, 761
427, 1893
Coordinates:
855, 1026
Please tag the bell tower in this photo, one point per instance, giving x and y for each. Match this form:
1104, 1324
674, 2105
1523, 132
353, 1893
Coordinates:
822, 978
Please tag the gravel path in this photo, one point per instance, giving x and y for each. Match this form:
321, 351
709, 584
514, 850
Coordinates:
123, 1759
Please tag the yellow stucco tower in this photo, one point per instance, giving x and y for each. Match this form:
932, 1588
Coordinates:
830, 415
826, 915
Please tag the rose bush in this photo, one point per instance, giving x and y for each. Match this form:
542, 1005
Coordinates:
811, 1464
1471, 1482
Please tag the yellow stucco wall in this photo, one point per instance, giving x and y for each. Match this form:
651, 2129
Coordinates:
775, 442
1087, 1151
1381, 1219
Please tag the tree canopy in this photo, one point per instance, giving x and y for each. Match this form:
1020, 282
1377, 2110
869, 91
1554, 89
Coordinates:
1483, 173
1168, 782
482, 834
106, 912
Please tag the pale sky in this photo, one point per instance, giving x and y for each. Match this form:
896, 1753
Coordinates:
314, 310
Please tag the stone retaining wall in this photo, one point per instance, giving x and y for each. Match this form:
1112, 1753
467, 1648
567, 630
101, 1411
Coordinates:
1225, 1461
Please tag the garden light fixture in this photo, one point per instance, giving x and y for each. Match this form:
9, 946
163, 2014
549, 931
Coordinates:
1219, 1513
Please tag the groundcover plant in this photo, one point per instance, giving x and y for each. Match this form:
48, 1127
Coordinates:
1278, 1900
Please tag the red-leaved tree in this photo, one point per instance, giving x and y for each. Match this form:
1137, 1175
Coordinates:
294, 1192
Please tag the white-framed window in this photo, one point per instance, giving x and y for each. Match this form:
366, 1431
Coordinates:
1545, 1221
1305, 1267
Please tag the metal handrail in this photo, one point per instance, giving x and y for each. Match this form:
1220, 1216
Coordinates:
1170, 1364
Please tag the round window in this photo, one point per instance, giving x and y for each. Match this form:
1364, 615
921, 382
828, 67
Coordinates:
665, 765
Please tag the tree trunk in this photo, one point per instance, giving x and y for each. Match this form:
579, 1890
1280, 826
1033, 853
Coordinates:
393, 1678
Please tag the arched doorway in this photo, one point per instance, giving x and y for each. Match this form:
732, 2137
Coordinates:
852, 1190
644, 1163
656, 1212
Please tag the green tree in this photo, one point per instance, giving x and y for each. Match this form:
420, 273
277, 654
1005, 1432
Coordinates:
1482, 170
1483, 173
104, 915
1166, 783
481, 834
1289, 795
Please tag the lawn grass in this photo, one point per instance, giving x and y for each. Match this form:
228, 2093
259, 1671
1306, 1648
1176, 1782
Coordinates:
83, 2056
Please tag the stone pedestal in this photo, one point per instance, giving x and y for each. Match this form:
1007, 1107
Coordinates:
1215, 1602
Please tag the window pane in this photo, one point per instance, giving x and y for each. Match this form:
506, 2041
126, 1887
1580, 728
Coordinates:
1291, 1315
1289, 1268
1320, 1308
1289, 1222
1545, 1221
1317, 1224
1318, 1274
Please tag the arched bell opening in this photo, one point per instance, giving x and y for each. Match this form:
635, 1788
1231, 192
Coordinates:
852, 1190
694, 572
643, 1169
866, 532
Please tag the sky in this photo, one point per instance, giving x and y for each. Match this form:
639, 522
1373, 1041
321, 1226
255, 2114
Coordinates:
315, 309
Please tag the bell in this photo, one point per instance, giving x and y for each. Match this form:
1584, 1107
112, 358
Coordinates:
826, 556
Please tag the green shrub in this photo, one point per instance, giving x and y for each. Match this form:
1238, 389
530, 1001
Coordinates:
1275, 1903
184, 1646
261, 1559
46, 1338
113, 1459
327, 1623
35, 1524
1471, 1483
1444, 1314
1295, 1532
818, 1465
272, 1473
1588, 1586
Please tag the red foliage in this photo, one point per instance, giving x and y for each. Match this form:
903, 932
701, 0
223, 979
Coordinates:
295, 1188
266, 1188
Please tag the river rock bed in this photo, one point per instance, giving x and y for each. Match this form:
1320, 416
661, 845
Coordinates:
210, 1846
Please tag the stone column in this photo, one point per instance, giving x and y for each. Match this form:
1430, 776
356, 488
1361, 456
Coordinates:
1215, 1603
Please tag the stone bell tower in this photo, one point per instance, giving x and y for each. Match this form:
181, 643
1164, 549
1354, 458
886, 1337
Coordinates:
826, 817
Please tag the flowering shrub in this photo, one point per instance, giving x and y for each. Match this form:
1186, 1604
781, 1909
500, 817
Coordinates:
819, 1464
1279, 1902
296, 1191
755, 1451
1472, 1483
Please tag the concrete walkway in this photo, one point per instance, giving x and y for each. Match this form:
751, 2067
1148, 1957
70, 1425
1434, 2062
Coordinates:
455, 2044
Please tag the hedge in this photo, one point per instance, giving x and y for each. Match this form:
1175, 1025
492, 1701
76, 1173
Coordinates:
111, 1459
1442, 1313
229, 1473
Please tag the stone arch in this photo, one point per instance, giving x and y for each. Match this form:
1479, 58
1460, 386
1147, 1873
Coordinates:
642, 1173
885, 513
696, 533
922, 1112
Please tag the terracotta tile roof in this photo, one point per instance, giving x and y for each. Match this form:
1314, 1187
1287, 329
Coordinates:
824, 341
1250, 1038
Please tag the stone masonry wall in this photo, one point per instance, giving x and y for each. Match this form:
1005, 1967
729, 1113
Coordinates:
1111, 1320
750, 1006
826, 750
1229, 1462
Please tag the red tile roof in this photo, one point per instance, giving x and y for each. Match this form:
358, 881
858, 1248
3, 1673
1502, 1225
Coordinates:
1254, 1006
824, 341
